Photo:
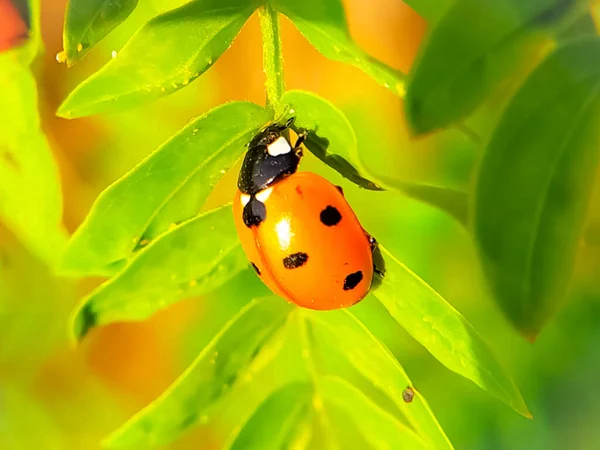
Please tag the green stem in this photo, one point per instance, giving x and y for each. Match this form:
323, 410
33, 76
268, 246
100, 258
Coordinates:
272, 58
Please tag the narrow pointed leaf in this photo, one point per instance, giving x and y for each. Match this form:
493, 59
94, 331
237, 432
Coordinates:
452, 202
162, 57
470, 51
276, 423
195, 257
443, 331
331, 137
377, 426
535, 183
210, 376
89, 21
377, 364
323, 23
169, 186
30, 194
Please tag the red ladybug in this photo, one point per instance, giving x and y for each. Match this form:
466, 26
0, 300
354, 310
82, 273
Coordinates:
299, 233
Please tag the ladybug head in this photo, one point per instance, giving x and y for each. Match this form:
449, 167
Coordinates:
270, 157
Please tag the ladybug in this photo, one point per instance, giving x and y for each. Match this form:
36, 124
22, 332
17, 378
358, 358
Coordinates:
296, 228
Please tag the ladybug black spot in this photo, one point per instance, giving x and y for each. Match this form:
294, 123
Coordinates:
330, 216
256, 269
352, 280
295, 260
254, 213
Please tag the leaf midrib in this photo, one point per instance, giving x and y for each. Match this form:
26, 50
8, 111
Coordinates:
537, 219
205, 162
169, 80
467, 326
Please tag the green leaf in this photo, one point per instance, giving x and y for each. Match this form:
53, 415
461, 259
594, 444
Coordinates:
331, 138
278, 421
376, 363
430, 10
30, 195
87, 22
469, 52
218, 367
166, 188
378, 427
535, 183
195, 257
443, 331
452, 202
323, 23
163, 56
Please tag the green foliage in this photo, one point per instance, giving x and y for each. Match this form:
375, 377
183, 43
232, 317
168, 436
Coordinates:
323, 23
331, 138
164, 56
193, 258
271, 338
376, 425
169, 186
469, 53
277, 422
215, 370
376, 367
430, 10
88, 21
443, 331
30, 196
535, 183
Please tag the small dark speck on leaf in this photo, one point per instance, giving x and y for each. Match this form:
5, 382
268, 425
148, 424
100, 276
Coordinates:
408, 394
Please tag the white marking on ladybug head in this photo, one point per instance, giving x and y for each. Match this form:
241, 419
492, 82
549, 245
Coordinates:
279, 147
245, 199
263, 195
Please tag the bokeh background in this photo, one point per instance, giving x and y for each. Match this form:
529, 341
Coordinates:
54, 396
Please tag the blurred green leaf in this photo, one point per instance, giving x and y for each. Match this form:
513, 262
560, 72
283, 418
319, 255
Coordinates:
443, 331
163, 56
452, 202
323, 23
535, 183
331, 137
472, 49
220, 364
375, 362
166, 188
87, 22
193, 258
30, 195
430, 10
278, 421
380, 429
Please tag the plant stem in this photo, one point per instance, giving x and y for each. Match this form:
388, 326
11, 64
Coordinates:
272, 57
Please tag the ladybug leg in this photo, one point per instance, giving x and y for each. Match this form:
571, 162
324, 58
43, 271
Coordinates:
372, 240
287, 124
339, 188
301, 138
378, 263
